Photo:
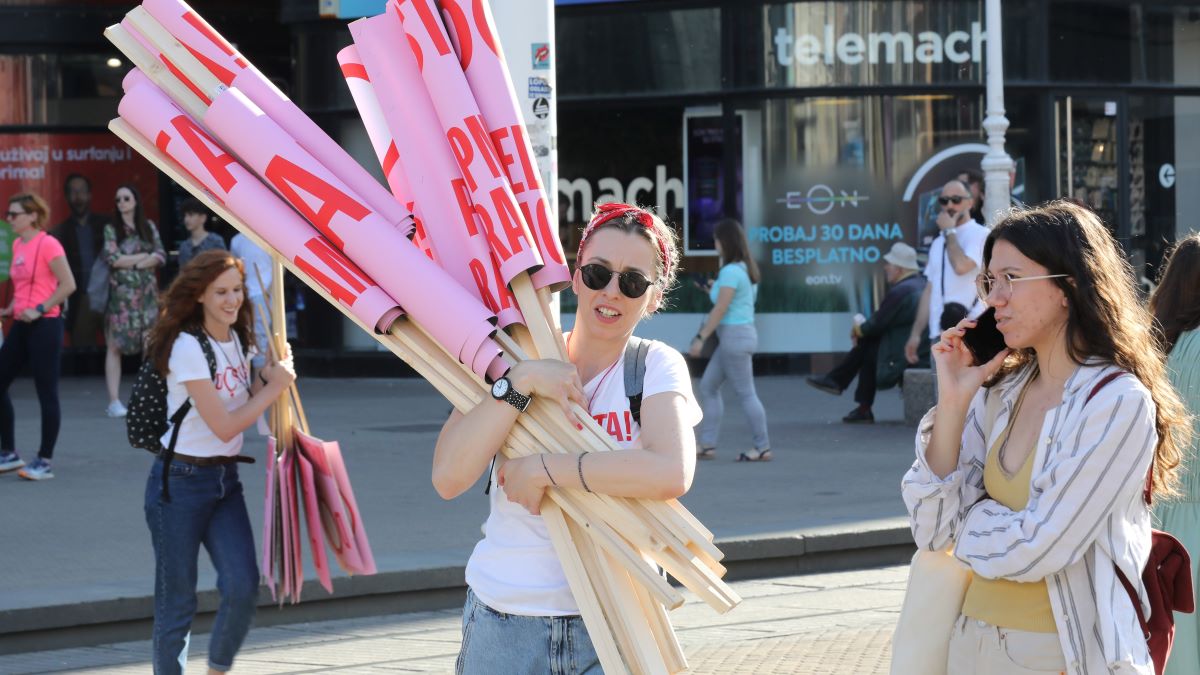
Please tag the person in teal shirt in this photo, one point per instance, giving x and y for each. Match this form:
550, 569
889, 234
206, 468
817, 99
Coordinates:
1176, 307
732, 318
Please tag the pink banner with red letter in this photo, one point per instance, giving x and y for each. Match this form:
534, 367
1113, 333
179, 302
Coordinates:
459, 243
473, 32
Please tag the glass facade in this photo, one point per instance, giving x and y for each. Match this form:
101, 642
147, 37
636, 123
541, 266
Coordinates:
828, 127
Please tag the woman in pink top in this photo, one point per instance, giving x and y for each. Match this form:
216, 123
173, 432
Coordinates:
42, 280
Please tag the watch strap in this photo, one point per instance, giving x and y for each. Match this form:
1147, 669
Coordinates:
519, 401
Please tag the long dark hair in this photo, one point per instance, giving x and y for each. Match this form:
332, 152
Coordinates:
1176, 301
140, 224
735, 247
180, 309
1105, 320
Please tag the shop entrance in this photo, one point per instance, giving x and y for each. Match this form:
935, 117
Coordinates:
1088, 156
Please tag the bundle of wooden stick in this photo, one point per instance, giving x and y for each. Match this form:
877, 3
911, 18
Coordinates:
608, 546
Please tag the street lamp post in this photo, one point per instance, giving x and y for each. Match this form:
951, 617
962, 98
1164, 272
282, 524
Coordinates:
997, 165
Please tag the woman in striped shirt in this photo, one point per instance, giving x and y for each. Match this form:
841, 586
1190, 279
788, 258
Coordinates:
1033, 473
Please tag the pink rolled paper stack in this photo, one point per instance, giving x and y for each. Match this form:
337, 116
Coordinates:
443, 120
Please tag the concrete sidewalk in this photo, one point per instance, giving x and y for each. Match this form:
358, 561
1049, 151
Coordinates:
819, 624
80, 567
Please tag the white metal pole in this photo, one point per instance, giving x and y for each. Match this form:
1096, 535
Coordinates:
526, 32
997, 165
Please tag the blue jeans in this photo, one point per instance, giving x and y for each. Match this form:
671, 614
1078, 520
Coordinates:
207, 507
731, 362
495, 642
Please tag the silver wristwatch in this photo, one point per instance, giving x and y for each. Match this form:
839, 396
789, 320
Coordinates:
502, 390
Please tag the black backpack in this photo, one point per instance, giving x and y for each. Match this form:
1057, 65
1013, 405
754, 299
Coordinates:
147, 419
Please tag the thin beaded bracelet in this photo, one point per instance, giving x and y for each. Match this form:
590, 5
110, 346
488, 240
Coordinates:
580, 467
552, 481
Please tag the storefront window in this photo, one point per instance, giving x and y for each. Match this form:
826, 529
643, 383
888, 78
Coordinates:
602, 51
60, 89
1124, 42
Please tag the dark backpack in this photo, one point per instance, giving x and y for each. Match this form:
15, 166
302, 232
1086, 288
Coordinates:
635, 374
147, 419
1167, 578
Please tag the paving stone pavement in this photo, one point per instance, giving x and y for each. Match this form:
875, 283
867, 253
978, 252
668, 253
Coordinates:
815, 624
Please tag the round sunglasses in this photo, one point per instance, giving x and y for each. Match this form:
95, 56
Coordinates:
632, 284
951, 200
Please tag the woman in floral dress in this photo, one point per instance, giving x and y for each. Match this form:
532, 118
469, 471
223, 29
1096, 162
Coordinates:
133, 251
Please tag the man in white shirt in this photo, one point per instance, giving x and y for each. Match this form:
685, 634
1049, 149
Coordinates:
955, 259
258, 266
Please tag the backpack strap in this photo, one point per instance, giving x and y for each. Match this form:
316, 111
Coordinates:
1148, 490
176, 419
635, 374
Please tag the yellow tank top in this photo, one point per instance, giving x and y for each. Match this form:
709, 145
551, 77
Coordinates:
1003, 602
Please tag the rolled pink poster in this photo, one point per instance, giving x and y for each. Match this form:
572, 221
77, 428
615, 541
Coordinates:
482, 170
381, 141
231, 68
425, 158
455, 318
148, 110
473, 33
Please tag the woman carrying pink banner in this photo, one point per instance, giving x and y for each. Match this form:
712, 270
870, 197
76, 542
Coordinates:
518, 595
201, 345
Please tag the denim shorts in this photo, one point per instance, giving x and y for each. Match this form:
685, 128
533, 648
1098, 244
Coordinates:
495, 642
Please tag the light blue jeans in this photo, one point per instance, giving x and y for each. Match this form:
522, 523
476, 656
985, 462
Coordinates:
495, 642
731, 363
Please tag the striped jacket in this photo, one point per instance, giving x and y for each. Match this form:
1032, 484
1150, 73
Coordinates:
1085, 511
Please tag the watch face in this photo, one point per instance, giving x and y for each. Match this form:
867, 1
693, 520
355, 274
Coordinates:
500, 388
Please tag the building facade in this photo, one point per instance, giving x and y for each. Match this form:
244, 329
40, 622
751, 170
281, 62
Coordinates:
826, 127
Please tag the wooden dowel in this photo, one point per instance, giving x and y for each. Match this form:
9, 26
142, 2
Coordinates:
664, 634
170, 48
155, 69
582, 590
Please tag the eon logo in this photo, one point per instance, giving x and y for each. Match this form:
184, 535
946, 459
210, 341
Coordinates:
900, 47
820, 199
581, 196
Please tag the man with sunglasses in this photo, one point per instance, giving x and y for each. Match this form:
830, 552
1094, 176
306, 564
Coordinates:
954, 261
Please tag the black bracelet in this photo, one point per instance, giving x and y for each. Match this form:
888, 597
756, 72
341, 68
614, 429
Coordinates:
580, 467
262, 379
552, 481
699, 337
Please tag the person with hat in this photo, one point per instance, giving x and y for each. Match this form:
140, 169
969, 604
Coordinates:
877, 358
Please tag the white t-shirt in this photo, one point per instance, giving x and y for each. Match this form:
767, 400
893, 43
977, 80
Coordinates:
254, 258
960, 288
514, 568
187, 363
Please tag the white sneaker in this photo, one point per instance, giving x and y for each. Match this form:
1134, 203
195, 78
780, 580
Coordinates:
115, 409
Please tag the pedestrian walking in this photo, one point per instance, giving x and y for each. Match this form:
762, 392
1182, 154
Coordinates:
520, 615
1176, 308
195, 220
81, 234
877, 358
1033, 464
954, 261
134, 251
258, 269
42, 281
732, 319
204, 310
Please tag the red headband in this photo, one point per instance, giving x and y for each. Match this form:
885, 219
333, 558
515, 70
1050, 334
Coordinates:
609, 211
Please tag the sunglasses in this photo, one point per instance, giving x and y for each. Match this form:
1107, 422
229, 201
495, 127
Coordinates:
632, 284
13, 214
951, 200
